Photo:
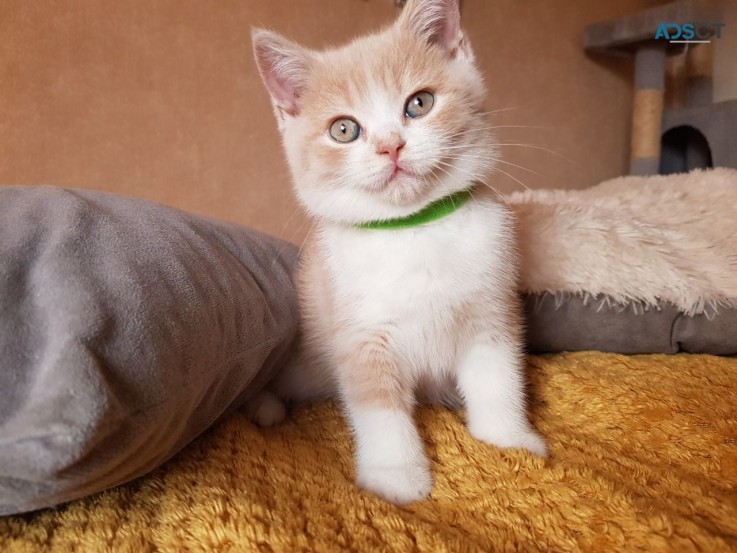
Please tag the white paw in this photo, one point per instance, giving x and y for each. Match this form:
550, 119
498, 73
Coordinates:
516, 439
396, 484
265, 409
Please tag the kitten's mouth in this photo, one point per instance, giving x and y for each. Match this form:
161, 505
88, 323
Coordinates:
401, 185
398, 171
395, 171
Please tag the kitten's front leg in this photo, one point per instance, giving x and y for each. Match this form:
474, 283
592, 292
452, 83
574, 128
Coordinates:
390, 458
491, 381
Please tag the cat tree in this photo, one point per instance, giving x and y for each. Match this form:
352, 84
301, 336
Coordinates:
698, 133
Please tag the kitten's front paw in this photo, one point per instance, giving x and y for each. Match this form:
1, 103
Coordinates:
396, 484
517, 439
532, 441
265, 409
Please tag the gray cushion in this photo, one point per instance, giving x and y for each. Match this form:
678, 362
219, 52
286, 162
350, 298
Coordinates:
126, 329
571, 322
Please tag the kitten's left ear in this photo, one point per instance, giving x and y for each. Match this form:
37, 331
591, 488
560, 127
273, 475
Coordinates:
438, 22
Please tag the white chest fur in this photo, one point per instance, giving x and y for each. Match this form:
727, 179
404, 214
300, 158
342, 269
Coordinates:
413, 282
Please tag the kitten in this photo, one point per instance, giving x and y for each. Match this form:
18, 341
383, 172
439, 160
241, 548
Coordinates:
423, 305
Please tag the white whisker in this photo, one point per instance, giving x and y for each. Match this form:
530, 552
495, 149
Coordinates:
475, 178
495, 160
497, 111
522, 184
535, 147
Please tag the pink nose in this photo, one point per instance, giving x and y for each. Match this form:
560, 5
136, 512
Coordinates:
391, 148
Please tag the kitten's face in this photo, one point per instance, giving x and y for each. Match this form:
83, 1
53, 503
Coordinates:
385, 125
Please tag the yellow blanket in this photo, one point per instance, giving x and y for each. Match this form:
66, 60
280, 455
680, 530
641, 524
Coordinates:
644, 458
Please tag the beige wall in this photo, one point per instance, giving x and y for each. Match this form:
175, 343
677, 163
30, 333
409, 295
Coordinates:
161, 99
725, 54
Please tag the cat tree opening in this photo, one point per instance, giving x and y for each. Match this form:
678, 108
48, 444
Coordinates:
683, 149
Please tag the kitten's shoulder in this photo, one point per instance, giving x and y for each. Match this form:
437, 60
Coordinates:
312, 275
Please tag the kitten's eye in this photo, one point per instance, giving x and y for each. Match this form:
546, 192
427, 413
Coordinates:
419, 104
344, 130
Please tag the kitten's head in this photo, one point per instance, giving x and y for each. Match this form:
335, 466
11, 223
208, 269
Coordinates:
380, 127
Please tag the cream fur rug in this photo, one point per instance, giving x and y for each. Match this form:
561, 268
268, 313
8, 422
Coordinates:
648, 239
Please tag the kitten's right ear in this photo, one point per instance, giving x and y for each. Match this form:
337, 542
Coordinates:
284, 67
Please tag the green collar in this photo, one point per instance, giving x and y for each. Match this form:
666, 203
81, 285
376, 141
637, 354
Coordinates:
431, 212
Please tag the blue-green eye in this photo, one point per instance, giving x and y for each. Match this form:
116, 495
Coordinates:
344, 130
419, 104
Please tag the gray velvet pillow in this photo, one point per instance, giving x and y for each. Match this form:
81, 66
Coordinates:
126, 329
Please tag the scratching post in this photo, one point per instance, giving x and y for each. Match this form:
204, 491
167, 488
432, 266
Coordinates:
647, 112
700, 72
694, 132
675, 82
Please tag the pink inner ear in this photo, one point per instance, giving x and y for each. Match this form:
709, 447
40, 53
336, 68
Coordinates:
448, 27
284, 67
438, 21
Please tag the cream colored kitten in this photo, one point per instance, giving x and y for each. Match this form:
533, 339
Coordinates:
378, 130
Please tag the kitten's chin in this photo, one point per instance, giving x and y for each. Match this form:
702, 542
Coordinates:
400, 186
399, 196
403, 189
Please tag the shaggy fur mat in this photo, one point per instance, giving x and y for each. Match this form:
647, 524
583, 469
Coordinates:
644, 458
648, 239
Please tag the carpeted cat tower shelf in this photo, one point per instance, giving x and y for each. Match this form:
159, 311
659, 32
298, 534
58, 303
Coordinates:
633, 265
698, 133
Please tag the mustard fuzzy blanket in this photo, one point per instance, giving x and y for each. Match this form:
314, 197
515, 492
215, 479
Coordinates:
644, 458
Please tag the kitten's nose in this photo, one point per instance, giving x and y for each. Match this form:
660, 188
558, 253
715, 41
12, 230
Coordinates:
391, 147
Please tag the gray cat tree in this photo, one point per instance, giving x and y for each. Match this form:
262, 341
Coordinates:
699, 133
